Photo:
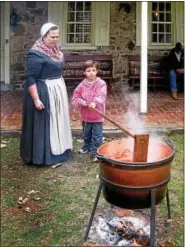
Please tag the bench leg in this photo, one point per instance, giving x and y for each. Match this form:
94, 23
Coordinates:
132, 83
109, 85
154, 85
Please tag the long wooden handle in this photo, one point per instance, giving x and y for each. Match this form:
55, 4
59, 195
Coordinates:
117, 124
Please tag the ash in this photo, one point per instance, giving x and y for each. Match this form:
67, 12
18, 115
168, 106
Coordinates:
121, 231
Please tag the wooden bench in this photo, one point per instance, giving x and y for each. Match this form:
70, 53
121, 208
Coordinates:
73, 67
156, 71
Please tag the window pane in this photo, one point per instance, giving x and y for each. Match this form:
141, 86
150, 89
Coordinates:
155, 16
87, 6
168, 6
154, 27
161, 28
87, 16
87, 38
70, 38
161, 16
71, 6
168, 17
154, 37
79, 6
70, 28
79, 28
87, 28
168, 28
79, 16
71, 17
161, 6
79, 38
154, 6
161, 38
168, 38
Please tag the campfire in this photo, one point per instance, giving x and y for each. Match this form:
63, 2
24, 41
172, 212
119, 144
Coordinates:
131, 230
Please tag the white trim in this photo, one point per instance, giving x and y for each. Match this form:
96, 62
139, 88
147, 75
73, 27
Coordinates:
7, 42
144, 56
2, 65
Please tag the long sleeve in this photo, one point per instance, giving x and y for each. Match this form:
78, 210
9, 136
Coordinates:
101, 95
34, 64
77, 100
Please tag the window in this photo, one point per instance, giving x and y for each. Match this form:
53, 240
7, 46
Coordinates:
165, 24
79, 22
161, 22
83, 25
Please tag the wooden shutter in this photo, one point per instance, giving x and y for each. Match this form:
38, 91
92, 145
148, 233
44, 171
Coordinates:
179, 22
138, 23
102, 23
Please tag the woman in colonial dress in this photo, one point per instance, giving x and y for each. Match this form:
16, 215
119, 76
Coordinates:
46, 134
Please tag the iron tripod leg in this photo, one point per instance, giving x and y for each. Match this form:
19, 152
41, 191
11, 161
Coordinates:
168, 203
152, 221
93, 211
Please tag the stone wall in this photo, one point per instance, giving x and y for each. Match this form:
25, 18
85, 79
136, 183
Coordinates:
31, 15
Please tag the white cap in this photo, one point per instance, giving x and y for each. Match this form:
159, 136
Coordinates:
46, 27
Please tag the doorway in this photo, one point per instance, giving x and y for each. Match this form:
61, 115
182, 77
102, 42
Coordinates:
4, 43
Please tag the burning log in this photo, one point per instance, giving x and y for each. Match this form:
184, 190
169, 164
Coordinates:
126, 230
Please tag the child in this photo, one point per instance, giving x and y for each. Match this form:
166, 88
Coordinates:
91, 93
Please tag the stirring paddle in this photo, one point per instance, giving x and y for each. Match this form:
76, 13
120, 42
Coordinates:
140, 140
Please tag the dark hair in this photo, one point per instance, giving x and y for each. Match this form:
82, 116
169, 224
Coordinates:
178, 46
52, 28
89, 64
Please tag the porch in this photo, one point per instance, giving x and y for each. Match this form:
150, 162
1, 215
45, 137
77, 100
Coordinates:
122, 106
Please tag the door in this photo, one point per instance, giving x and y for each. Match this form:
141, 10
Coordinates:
4, 42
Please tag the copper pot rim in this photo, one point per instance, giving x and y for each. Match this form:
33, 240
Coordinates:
132, 164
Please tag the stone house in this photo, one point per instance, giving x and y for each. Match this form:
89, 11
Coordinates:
87, 28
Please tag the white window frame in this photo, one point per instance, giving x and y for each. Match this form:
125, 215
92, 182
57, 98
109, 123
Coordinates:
57, 13
177, 26
63, 37
162, 45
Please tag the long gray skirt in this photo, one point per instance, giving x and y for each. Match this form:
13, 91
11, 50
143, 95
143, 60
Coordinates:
46, 135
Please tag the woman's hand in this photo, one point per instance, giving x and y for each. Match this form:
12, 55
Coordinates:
38, 104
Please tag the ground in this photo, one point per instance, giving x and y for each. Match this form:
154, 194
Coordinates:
51, 206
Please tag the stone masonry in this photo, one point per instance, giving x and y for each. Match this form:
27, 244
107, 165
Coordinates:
31, 16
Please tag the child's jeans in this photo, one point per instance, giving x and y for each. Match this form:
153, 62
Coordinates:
92, 135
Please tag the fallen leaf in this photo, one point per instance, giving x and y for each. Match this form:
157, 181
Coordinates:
3, 145
3, 141
27, 209
162, 243
124, 212
135, 243
37, 198
32, 192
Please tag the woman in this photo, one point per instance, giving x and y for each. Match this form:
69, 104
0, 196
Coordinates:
46, 134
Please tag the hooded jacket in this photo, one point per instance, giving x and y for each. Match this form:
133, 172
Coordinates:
85, 94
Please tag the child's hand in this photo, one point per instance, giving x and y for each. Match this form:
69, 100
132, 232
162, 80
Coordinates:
84, 103
92, 105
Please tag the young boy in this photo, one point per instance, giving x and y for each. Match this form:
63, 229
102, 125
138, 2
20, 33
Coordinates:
91, 93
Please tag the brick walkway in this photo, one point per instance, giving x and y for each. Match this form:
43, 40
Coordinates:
122, 106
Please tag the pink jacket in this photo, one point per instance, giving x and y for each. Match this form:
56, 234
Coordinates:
96, 93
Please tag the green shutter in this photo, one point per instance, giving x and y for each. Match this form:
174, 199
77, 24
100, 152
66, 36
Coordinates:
138, 23
102, 23
179, 22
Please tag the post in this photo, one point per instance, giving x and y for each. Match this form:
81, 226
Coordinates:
144, 60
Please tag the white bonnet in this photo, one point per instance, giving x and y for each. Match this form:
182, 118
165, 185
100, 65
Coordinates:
46, 27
